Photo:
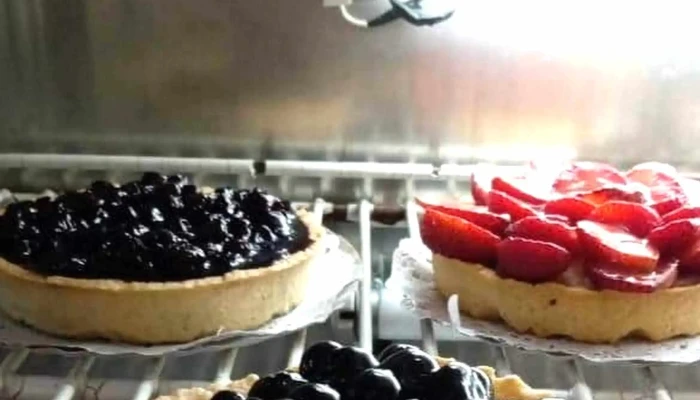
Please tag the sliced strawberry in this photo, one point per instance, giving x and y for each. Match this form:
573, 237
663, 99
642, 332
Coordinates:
612, 193
615, 245
458, 238
611, 277
481, 183
587, 176
689, 261
672, 238
479, 215
522, 189
637, 218
682, 213
574, 208
546, 230
501, 203
669, 205
654, 166
665, 189
531, 260
651, 174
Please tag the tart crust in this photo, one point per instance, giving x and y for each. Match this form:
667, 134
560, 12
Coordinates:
509, 387
553, 309
158, 312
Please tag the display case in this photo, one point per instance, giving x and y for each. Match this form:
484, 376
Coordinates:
352, 121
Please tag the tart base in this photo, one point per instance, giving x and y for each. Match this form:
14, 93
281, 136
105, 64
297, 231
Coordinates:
158, 313
509, 387
552, 309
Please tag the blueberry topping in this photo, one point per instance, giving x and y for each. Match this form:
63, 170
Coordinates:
158, 228
335, 363
227, 395
349, 362
410, 366
277, 386
104, 191
152, 178
456, 381
317, 361
393, 348
374, 384
314, 391
177, 179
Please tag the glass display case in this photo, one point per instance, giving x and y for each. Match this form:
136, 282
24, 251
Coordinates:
352, 121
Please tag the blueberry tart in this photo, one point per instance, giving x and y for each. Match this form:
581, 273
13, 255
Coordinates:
157, 260
329, 371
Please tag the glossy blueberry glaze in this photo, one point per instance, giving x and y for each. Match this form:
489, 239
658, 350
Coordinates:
156, 229
329, 371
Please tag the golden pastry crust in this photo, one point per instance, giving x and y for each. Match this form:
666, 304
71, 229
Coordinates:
155, 312
199, 393
552, 309
509, 387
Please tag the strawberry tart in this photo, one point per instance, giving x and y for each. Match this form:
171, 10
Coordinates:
580, 250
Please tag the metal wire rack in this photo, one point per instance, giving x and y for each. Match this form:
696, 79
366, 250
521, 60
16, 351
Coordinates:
76, 383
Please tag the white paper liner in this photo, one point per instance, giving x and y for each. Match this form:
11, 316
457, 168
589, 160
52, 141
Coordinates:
334, 276
412, 273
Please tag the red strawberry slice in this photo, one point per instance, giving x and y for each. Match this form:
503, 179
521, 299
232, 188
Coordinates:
682, 213
531, 260
611, 193
587, 176
672, 238
501, 203
669, 205
637, 218
546, 230
665, 189
655, 166
615, 245
689, 261
479, 215
458, 238
522, 189
611, 277
481, 183
574, 208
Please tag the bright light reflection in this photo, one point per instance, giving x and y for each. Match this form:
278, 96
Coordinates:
655, 32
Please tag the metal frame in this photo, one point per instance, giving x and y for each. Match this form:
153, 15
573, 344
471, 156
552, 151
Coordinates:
76, 380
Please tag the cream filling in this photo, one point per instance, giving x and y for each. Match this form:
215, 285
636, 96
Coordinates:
574, 276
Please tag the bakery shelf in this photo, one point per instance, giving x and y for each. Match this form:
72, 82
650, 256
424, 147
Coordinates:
30, 374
